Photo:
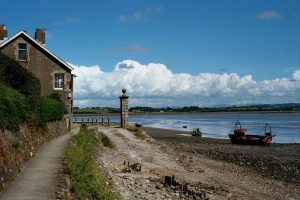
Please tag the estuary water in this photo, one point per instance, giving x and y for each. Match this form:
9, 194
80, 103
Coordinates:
286, 126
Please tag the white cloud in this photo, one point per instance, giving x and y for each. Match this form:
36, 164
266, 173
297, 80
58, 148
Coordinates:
156, 85
141, 15
268, 15
296, 75
136, 16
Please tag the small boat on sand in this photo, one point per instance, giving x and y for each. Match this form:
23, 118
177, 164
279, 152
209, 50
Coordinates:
139, 125
196, 132
239, 136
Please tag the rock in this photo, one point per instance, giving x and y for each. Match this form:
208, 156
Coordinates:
158, 187
31, 153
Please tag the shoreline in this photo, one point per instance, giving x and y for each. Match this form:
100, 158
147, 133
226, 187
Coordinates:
277, 161
188, 133
191, 113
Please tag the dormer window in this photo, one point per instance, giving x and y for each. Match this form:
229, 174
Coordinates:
59, 81
22, 51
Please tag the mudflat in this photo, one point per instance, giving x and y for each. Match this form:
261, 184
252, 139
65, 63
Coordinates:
276, 161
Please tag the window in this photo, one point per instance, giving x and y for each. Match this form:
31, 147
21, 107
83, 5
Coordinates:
59, 81
22, 51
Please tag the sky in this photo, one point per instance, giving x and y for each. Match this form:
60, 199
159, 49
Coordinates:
171, 52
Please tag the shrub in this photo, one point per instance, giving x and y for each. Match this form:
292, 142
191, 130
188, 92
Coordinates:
17, 77
51, 110
14, 108
57, 96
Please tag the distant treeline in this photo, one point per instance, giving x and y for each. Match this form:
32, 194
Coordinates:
95, 110
193, 109
263, 107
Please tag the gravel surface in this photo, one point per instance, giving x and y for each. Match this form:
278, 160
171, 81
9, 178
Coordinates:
278, 161
198, 166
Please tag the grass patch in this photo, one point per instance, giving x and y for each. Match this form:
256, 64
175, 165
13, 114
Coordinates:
106, 141
138, 132
87, 182
118, 134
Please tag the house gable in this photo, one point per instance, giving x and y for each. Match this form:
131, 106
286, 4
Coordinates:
53, 73
38, 46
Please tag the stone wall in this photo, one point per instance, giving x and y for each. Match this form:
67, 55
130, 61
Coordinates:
18, 147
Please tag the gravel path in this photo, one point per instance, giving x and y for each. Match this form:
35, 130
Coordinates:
38, 181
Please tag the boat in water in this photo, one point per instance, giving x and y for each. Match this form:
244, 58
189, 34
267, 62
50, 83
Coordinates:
239, 136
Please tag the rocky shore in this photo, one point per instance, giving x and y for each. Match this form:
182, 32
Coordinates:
169, 164
277, 161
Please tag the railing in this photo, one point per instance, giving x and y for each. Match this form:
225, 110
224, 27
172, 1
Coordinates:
95, 120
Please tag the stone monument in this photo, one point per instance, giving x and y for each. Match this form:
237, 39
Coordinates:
124, 109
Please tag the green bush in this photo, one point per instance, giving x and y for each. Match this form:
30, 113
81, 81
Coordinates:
17, 77
57, 96
51, 110
87, 182
14, 108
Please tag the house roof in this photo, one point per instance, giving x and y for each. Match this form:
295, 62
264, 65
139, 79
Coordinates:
3, 43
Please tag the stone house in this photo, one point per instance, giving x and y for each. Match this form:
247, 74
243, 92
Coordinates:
54, 73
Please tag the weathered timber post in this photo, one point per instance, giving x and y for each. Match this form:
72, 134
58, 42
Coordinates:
102, 121
108, 121
124, 109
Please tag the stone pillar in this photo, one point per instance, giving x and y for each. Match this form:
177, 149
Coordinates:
124, 109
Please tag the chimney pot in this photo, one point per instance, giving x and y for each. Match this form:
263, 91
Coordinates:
40, 35
3, 32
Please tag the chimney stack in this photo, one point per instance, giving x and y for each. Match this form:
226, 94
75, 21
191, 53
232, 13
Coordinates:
3, 32
40, 35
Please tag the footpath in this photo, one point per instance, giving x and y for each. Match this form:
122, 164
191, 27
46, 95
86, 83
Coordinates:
38, 180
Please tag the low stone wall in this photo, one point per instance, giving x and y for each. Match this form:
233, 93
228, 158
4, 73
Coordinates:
18, 147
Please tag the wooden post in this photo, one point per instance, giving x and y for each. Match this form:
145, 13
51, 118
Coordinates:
108, 121
102, 121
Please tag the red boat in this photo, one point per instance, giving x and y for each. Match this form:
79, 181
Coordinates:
239, 136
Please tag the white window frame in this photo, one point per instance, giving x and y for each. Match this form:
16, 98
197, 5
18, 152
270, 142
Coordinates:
58, 81
20, 49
